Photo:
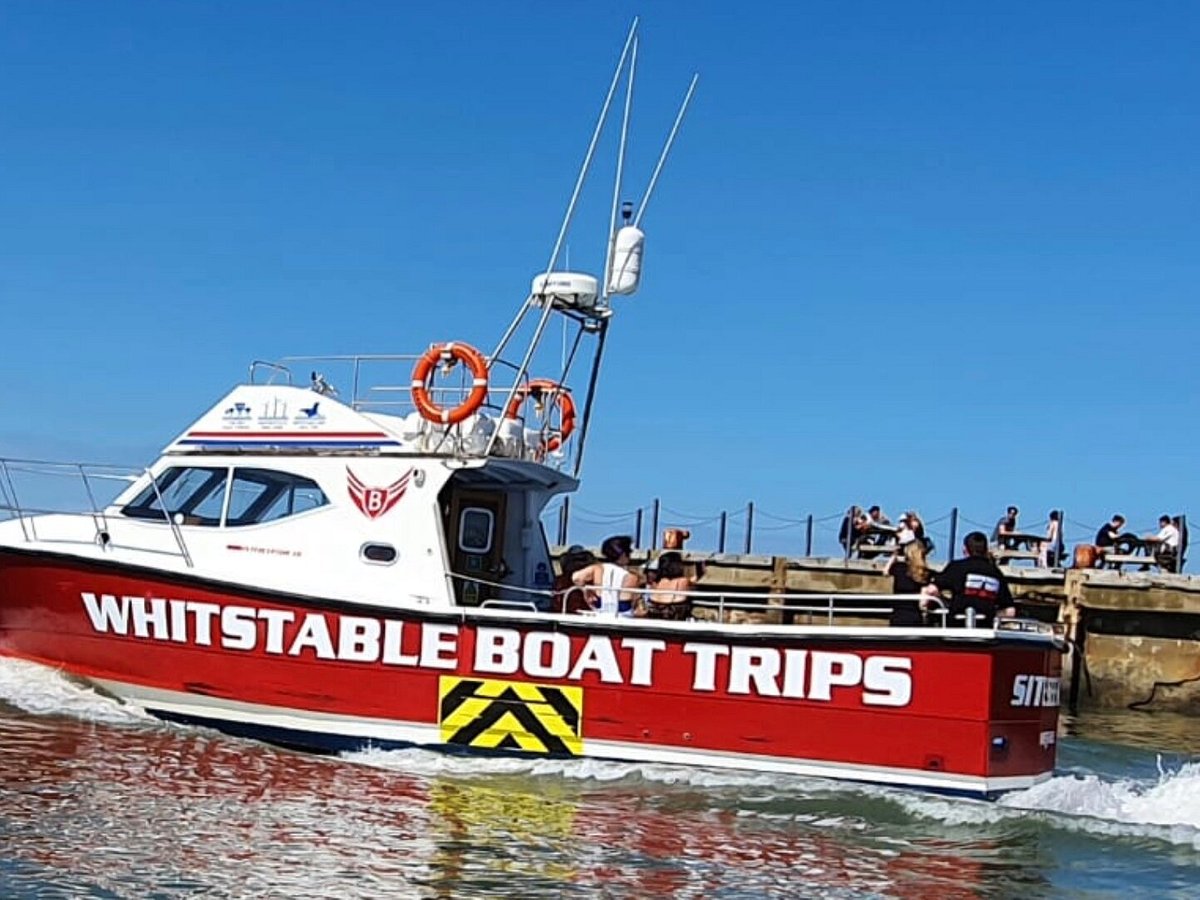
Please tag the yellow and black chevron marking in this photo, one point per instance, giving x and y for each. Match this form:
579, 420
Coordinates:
511, 715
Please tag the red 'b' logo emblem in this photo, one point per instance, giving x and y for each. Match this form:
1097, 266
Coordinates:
373, 502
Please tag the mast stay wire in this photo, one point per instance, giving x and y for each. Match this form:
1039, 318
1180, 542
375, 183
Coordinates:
662, 158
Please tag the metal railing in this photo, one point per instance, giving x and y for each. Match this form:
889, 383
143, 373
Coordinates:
382, 383
772, 531
364, 391
828, 606
88, 474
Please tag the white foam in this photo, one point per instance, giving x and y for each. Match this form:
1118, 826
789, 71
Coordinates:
433, 763
1166, 808
41, 690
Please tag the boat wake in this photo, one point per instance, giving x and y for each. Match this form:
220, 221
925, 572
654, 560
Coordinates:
1164, 807
43, 691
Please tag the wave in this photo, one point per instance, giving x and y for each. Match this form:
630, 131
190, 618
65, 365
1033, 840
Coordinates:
44, 691
1165, 808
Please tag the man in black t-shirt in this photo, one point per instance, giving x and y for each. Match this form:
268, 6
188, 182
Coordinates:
974, 583
1106, 537
1006, 525
1110, 531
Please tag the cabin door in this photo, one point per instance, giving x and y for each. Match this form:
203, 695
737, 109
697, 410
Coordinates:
476, 532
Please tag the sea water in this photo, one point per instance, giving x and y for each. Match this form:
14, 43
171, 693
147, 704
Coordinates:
99, 800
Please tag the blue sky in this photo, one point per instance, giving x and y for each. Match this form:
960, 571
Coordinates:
920, 254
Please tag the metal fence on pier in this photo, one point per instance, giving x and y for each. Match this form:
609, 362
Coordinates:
751, 529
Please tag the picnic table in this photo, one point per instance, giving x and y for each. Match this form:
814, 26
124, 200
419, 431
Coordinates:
877, 540
1017, 545
1131, 550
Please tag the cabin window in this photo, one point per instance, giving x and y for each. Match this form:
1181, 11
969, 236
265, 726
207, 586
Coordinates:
383, 554
193, 495
262, 495
475, 527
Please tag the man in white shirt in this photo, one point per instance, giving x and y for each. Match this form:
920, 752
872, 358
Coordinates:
1167, 540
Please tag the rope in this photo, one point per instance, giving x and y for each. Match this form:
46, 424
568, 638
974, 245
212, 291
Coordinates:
782, 527
1138, 704
587, 521
605, 515
974, 523
680, 518
767, 515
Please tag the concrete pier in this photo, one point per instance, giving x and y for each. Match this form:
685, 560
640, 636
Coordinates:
1135, 636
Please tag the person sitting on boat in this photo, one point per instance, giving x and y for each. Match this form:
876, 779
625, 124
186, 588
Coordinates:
910, 573
650, 577
612, 585
975, 583
670, 598
567, 598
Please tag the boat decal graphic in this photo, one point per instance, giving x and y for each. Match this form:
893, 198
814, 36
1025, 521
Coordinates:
373, 502
511, 715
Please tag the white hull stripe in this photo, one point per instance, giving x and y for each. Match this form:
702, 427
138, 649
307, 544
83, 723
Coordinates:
316, 442
418, 733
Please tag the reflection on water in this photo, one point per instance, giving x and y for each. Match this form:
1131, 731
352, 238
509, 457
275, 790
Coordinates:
136, 810
129, 807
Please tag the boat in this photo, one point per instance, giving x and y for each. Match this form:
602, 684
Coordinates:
334, 571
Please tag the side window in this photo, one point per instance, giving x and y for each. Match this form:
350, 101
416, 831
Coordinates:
475, 530
196, 493
263, 495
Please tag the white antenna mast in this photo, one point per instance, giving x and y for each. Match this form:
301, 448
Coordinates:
616, 199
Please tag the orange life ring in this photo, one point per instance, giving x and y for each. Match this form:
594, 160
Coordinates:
566, 407
448, 354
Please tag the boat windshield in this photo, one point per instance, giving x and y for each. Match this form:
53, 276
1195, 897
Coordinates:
196, 495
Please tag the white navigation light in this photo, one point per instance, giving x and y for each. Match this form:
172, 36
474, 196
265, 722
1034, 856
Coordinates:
627, 261
573, 289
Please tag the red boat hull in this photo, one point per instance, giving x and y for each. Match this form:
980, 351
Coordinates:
966, 713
